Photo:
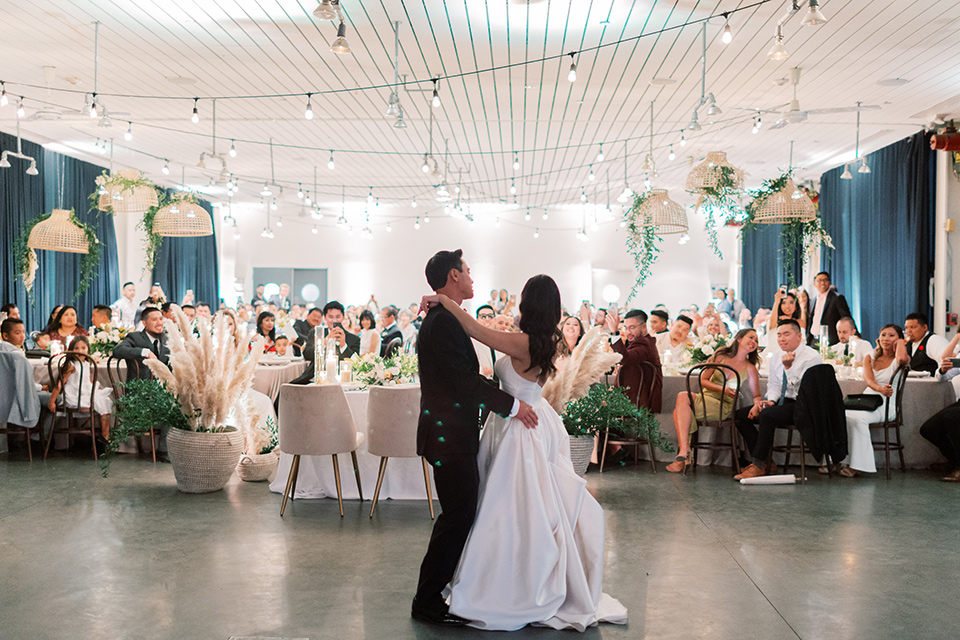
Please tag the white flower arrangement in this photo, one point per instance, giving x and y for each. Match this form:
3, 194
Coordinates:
103, 339
370, 369
705, 349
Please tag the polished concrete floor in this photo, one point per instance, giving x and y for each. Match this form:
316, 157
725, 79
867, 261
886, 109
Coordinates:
697, 557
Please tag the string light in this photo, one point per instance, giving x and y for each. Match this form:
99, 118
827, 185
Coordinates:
195, 118
128, 136
20, 111
4, 100
671, 155
416, 225
683, 139
93, 105
279, 222
166, 168
315, 231
591, 177
233, 149
496, 223
527, 215
727, 36
300, 191
516, 162
536, 234
273, 205
426, 219
545, 215
308, 112
306, 199
513, 187
436, 96
572, 75
330, 164
600, 153
413, 203
426, 164
316, 214
389, 228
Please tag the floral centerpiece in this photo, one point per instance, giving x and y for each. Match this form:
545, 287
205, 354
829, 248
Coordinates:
704, 350
104, 338
370, 369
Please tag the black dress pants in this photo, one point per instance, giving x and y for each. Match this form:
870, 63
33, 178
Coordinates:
943, 430
758, 433
457, 480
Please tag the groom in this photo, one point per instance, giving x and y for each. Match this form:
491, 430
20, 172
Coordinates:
452, 391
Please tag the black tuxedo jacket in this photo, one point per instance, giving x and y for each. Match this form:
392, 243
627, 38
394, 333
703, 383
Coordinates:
353, 346
834, 308
131, 349
452, 390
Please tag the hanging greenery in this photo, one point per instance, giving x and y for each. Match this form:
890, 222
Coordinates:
720, 204
26, 259
642, 242
116, 183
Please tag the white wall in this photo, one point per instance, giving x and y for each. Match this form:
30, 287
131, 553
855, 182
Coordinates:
953, 245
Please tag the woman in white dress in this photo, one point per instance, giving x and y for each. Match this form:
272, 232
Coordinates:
878, 372
535, 552
76, 387
369, 336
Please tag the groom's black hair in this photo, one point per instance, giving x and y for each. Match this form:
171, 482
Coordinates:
439, 266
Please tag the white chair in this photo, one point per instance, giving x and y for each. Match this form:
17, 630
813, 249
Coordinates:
315, 420
392, 415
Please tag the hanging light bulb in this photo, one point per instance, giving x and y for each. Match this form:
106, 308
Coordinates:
591, 177
266, 190
778, 52
416, 225
340, 44
325, 11
20, 111
330, 164
315, 231
308, 112
572, 74
516, 162
756, 127
727, 36
426, 164
513, 187
300, 191
671, 155
306, 199
166, 168
103, 148
684, 238
863, 166
813, 18
195, 118
527, 215
93, 106
233, 149
536, 234
600, 153
846, 175
413, 203
370, 196
496, 223
583, 195
128, 136
4, 100
436, 96
426, 219
683, 139
582, 235
393, 105
273, 205
389, 228
236, 233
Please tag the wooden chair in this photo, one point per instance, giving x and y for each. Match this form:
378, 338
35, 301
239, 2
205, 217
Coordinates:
392, 416
718, 423
17, 367
392, 347
114, 373
72, 407
315, 420
894, 423
648, 372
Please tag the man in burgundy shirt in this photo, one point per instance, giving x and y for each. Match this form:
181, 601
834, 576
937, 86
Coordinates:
636, 346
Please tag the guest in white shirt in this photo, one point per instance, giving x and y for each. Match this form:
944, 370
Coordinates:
486, 356
677, 338
786, 370
125, 309
851, 342
659, 322
369, 336
924, 348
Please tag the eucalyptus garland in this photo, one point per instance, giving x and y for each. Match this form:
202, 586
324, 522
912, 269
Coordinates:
24, 256
642, 242
722, 199
115, 181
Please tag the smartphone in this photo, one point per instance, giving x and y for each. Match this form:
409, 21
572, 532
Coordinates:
613, 307
513, 298
586, 304
783, 289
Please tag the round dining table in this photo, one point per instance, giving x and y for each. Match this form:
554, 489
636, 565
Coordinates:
269, 376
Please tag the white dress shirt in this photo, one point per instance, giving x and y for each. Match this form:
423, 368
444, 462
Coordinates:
125, 311
484, 357
936, 345
863, 348
664, 343
804, 358
818, 313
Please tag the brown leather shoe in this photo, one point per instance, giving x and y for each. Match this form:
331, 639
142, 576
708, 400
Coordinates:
953, 476
753, 471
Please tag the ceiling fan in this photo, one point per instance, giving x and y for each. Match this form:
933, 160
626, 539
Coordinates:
795, 115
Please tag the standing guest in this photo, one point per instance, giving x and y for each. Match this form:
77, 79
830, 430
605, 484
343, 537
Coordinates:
188, 310
636, 347
571, 332
258, 299
65, 326
502, 299
266, 327
125, 309
737, 305
878, 371
282, 299
826, 309
677, 338
924, 347
724, 304
600, 320
369, 336
741, 354
659, 322
10, 310
847, 334
943, 428
155, 298
785, 308
167, 310
390, 329
306, 326
101, 315
786, 371
77, 387
743, 319
203, 310
486, 356
494, 296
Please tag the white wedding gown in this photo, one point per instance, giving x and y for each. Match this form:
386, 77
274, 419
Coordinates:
535, 552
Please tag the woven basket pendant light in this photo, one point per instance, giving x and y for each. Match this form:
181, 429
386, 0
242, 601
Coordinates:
662, 213
706, 175
182, 219
120, 200
58, 233
790, 204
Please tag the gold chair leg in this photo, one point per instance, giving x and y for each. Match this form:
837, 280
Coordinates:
603, 449
290, 480
376, 492
426, 480
356, 472
336, 477
296, 476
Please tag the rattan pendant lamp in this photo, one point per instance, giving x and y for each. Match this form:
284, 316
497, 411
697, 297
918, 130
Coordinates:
182, 217
658, 211
705, 177
790, 204
58, 233
115, 196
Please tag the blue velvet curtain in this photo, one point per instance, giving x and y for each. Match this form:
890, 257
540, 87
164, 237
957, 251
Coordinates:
190, 263
63, 183
882, 224
762, 266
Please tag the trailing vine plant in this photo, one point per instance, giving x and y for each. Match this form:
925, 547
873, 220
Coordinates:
642, 242
25, 259
720, 204
118, 183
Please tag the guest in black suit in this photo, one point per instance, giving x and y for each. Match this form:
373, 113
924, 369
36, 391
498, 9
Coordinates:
826, 309
258, 299
149, 344
452, 393
282, 300
391, 329
305, 327
347, 343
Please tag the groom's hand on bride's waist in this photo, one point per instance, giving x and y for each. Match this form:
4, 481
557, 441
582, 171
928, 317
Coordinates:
527, 415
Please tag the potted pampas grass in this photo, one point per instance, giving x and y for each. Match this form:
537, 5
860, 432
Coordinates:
209, 373
588, 362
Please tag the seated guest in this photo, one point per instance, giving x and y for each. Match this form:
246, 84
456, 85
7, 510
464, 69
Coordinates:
10, 310
503, 322
155, 298
296, 312
826, 310
345, 343
77, 387
847, 334
943, 428
232, 321
486, 356
405, 322
65, 326
282, 346
125, 309
306, 326
203, 310
148, 344
390, 329
636, 346
713, 326
878, 371
51, 319
924, 347
13, 335
266, 322
743, 320
741, 354
785, 308
188, 310
677, 338
101, 315
571, 332
369, 336
786, 370
258, 298
659, 322
167, 310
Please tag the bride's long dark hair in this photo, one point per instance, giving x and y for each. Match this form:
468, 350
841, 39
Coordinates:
539, 317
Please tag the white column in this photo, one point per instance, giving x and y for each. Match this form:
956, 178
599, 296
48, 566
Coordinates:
132, 254
940, 291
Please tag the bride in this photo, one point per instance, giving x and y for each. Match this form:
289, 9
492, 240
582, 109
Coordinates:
535, 552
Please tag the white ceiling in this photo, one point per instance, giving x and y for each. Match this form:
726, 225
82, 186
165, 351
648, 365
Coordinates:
258, 47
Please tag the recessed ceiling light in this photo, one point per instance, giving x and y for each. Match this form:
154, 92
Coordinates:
662, 82
892, 82
180, 80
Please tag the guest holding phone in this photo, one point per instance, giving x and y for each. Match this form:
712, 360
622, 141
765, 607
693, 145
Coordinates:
785, 307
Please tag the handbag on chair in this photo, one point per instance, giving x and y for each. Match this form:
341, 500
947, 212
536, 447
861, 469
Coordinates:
862, 402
